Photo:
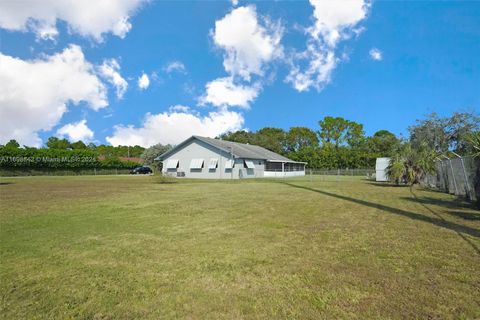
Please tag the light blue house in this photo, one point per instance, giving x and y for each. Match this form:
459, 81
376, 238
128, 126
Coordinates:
207, 158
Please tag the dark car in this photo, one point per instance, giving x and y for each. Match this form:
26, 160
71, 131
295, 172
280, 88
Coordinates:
141, 170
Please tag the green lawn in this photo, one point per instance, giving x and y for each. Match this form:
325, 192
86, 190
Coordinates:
131, 247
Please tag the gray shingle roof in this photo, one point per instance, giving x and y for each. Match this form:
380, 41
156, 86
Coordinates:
239, 150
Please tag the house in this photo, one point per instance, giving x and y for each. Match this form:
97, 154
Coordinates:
381, 166
207, 158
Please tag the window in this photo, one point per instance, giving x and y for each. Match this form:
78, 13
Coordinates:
213, 164
249, 164
196, 164
229, 164
273, 166
172, 164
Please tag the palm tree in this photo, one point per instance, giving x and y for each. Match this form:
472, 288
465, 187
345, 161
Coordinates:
474, 141
410, 165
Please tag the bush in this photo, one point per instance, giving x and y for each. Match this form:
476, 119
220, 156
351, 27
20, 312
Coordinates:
31, 158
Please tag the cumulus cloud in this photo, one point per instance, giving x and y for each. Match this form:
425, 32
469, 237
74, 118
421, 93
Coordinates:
34, 94
87, 18
334, 21
223, 92
375, 54
174, 126
143, 81
76, 131
110, 71
248, 44
175, 66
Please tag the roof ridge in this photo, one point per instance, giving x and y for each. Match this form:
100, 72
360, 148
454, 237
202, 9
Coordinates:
238, 149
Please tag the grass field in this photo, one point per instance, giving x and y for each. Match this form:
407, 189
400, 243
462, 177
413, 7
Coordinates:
131, 247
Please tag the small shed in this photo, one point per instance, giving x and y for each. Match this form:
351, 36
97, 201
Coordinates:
381, 166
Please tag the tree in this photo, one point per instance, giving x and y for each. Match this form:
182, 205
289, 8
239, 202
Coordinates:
412, 165
354, 135
240, 136
56, 143
273, 139
332, 130
79, 145
154, 151
299, 138
396, 170
338, 131
461, 125
444, 134
12, 144
474, 144
383, 144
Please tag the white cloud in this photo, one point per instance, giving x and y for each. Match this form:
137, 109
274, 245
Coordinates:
375, 54
175, 66
143, 81
174, 126
76, 131
110, 71
223, 92
334, 21
248, 45
87, 18
333, 18
34, 93
234, 2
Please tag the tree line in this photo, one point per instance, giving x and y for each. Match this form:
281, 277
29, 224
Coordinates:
63, 154
342, 143
54, 143
338, 143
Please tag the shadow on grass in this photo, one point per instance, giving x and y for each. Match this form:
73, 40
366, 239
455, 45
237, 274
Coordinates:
452, 204
438, 220
387, 184
5, 183
465, 215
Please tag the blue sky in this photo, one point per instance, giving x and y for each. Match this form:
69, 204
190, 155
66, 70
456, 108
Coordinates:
427, 60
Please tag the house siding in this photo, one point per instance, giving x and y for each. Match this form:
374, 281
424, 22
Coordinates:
198, 149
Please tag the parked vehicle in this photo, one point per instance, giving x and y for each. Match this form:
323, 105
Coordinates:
141, 170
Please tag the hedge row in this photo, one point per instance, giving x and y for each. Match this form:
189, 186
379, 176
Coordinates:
58, 159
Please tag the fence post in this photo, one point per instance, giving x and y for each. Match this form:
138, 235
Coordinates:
465, 175
453, 176
466, 179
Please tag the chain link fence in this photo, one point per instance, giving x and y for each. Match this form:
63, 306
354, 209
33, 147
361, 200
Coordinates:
340, 174
458, 176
